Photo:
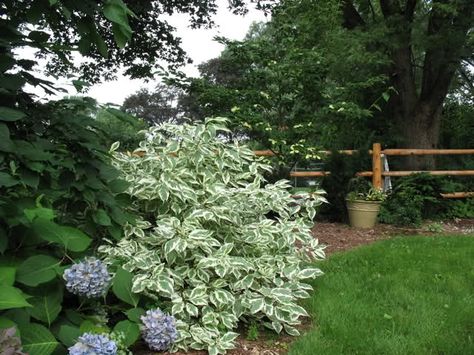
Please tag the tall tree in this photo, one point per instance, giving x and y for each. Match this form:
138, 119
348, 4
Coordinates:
157, 106
427, 42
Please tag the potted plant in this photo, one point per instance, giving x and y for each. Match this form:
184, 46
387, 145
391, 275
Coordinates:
363, 206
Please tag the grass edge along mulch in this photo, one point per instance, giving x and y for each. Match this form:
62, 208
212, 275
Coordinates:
404, 295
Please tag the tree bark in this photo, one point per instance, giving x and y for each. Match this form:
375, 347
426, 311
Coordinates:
421, 130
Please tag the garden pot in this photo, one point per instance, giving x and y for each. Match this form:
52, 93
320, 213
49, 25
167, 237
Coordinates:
363, 214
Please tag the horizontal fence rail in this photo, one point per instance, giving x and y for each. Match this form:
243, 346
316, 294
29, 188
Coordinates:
377, 174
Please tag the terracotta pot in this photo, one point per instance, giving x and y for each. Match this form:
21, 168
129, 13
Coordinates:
363, 214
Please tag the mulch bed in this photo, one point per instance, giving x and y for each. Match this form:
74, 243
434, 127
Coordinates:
340, 237
337, 237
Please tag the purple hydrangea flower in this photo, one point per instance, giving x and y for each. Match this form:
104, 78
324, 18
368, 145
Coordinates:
158, 329
88, 278
97, 344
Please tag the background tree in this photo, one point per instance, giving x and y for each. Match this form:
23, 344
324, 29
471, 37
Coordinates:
344, 73
288, 86
427, 42
154, 107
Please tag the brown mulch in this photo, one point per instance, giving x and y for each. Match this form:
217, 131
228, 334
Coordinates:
337, 237
340, 237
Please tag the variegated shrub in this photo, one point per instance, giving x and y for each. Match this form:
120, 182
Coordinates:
204, 248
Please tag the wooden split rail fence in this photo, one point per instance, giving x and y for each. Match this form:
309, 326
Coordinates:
377, 174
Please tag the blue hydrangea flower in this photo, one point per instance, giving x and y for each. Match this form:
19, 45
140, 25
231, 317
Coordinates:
93, 344
88, 278
158, 329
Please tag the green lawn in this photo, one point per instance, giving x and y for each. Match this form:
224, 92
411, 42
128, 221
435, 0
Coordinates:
410, 295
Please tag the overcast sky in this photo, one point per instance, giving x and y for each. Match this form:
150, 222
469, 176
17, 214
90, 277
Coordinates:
198, 44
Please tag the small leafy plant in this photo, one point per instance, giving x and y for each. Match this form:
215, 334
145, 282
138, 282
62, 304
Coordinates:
252, 331
362, 190
203, 247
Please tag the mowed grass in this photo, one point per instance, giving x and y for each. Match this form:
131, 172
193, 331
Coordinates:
410, 295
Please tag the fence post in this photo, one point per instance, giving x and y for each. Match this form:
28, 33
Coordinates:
377, 166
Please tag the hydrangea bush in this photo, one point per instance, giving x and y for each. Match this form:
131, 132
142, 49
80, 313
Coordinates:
158, 329
89, 278
98, 344
204, 246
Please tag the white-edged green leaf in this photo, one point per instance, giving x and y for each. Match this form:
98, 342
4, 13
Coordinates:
256, 305
309, 273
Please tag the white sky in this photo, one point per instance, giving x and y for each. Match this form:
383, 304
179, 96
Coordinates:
198, 44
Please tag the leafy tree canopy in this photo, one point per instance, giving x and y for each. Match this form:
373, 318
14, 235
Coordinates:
157, 106
101, 31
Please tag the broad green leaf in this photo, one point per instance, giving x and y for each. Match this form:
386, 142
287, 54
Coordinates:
7, 180
37, 339
29, 178
101, 46
118, 186
18, 315
121, 35
122, 287
9, 114
134, 314
116, 11
101, 217
68, 334
46, 307
37, 269
39, 212
130, 330
90, 327
73, 239
7, 275
6, 145
11, 297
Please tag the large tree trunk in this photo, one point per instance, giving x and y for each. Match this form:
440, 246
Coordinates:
421, 130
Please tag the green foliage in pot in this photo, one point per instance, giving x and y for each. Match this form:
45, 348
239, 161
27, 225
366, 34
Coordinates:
203, 247
361, 189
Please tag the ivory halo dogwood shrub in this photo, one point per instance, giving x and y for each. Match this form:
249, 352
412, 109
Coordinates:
204, 246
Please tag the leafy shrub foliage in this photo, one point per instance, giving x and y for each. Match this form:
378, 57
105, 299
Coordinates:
59, 197
203, 248
414, 198
341, 182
